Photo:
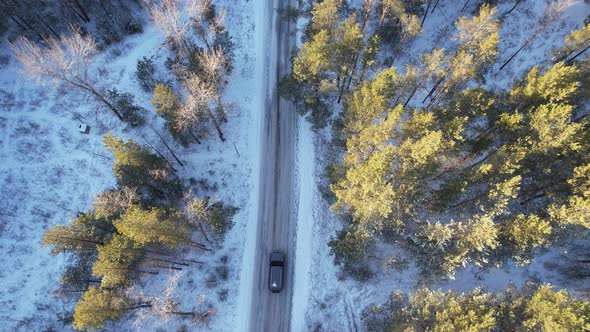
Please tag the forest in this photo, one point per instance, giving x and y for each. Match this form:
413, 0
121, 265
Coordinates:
426, 155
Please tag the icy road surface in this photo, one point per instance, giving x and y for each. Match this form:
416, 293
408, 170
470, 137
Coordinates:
276, 222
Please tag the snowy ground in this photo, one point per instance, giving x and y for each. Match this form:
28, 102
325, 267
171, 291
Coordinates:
50, 172
336, 304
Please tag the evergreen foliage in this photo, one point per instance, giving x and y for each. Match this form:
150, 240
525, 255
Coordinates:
97, 306
168, 105
532, 308
145, 74
131, 112
473, 176
153, 226
136, 167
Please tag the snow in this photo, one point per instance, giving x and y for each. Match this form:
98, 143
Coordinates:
305, 220
242, 321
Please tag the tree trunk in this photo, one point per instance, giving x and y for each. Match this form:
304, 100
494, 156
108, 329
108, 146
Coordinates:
95, 242
513, 7
358, 56
203, 232
170, 267
411, 95
526, 43
106, 102
182, 313
570, 61
468, 200
216, 124
162, 156
197, 245
48, 26
465, 6
219, 108
167, 261
531, 198
434, 7
436, 86
82, 12
425, 13
159, 191
194, 136
138, 306
581, 117
169, 149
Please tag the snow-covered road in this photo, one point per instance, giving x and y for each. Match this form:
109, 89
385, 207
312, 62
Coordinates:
274, 225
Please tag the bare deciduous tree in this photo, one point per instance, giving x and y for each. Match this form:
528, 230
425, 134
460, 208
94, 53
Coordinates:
167, 16
175, 18
197, 108
165, 305
67, 60
214, 63
116, 200
196, 211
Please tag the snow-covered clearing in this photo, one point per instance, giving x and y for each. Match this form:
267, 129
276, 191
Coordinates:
305, 220
336, 304
50, 172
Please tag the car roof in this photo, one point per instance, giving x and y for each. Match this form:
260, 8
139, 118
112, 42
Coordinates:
277, 256
276, 277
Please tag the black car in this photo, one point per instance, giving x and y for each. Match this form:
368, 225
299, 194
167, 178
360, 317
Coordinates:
277, 266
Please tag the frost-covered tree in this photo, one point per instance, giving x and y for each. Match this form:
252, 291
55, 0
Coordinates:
196, 113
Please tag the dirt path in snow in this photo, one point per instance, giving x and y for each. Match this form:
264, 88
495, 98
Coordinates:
276, 209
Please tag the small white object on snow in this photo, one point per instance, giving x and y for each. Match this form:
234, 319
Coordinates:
84, 128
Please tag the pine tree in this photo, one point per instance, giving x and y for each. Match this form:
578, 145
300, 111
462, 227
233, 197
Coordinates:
347, 46
219, 218
576, 43
575, 212
549, 310
314, 59
532, 308
167, 104
478, 38
97, 306
115, 261
136, 167
154, 226
111, 204
370, 101
558, 84
523, 234
350, 247
83, 234
365, 192
325, 16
